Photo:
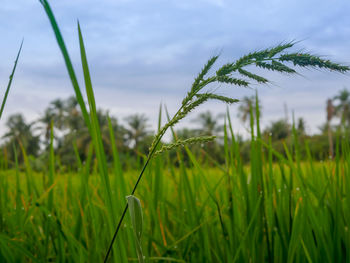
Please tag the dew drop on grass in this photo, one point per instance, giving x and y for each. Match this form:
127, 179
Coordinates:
279, 190
297, 188
49, 215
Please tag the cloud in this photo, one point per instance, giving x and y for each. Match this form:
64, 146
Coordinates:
144, 52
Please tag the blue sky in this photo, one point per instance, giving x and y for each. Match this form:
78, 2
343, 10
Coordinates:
142, 53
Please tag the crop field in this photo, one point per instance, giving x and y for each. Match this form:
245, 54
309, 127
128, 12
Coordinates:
188, 200
284, 211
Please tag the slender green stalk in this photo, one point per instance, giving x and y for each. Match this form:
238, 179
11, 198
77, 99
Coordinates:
10, 81
126, 206
67, 60
266, 59
96, 132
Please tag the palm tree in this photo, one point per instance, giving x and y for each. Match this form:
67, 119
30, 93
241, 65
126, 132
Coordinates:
247, 105
342, 108
210, 127
46, 120
137, 129
20, 132
57, 107
71, 105
209, 123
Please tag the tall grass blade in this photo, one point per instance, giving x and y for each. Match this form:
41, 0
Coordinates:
6, 244
135, 212
50, 197
96, 132
67, 61
117, 167
10, 81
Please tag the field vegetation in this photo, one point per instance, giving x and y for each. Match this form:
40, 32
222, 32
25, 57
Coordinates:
77, 186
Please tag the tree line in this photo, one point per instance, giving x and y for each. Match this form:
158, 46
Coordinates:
132, 139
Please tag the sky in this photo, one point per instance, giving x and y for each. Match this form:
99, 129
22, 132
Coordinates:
146, 52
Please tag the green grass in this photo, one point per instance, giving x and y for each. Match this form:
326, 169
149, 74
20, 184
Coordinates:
286, 211
10, 81
300, 213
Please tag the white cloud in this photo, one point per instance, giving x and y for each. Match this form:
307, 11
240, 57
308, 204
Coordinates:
144, 52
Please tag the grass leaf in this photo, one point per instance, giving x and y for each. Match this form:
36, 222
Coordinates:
67, 61
135, 211
10, 81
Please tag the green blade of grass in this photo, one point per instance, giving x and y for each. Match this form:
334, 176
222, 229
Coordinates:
96, 133
254, 215
135, 212
11, 246
31, 184
67, 61
118, 172
18, 186
10, 81
50, 197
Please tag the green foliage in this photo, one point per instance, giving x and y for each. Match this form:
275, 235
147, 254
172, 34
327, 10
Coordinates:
137, 130
202, 213
278, 130
192, 215
342, 107
20, 133
135, 211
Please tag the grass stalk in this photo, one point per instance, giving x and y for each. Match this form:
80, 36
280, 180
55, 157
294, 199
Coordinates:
10, 81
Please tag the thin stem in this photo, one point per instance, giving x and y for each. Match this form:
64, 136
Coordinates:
126, 206
150, 157
115, 233
10, 81
133, 191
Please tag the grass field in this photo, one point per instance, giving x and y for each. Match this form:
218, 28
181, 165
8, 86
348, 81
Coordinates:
277, 208
286, 211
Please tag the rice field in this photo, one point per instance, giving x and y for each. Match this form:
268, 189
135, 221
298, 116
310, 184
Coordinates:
277, 208
285, 211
